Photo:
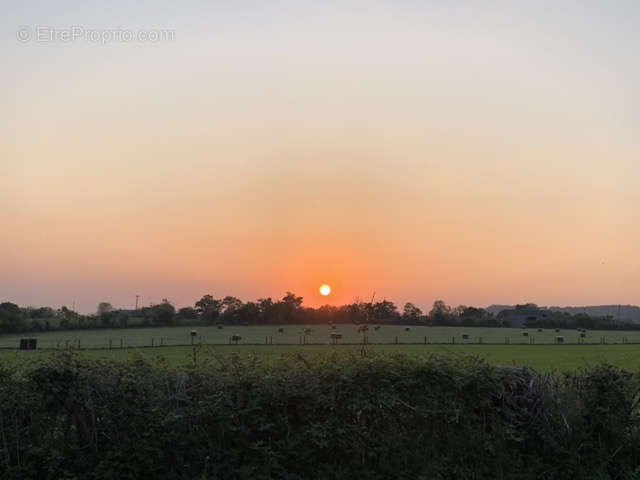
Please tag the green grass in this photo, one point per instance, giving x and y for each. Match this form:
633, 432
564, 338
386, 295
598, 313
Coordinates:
541, 356
538, 357
143, 337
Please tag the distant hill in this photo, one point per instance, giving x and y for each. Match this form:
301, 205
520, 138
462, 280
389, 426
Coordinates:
630, 313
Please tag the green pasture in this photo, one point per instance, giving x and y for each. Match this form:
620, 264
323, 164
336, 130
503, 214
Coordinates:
293, 335
502, 346
539, 357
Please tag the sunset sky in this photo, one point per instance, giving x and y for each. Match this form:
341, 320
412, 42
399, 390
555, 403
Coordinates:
421, 150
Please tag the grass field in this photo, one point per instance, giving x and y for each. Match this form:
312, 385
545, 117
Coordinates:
291, 335
503, 346
538, 357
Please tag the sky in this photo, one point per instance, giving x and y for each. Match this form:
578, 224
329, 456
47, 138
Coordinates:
473, 153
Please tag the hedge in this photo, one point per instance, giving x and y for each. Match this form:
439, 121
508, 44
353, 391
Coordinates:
330, 417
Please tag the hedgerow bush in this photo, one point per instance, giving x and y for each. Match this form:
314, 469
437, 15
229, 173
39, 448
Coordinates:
330, 417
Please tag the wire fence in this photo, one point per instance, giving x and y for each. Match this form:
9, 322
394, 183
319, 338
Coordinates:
287, 335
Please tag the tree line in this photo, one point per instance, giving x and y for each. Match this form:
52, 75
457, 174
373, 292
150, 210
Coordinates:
230, 310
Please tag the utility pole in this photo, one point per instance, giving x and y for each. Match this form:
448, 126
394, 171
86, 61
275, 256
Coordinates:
137, 297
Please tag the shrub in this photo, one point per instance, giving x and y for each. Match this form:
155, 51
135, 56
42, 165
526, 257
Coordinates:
329, 417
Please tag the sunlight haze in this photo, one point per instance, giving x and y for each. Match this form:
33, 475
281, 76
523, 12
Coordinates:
414, 149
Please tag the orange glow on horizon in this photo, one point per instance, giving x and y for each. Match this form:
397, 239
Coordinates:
367, 150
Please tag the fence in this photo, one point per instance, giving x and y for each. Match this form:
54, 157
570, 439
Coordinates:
159, 342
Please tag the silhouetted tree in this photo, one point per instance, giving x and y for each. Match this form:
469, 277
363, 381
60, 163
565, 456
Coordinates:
11, 317
229, 309
208, 308
104, 307
289, 308
163, 313
42, 312
411, 313
440, 314
267, 311
384, 312
188, 313
248, 313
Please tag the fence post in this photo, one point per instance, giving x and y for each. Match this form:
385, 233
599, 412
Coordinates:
453, 340
161, 341
121, 343
396, 339
110, 344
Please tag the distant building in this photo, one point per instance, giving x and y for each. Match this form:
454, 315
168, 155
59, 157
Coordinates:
523, 315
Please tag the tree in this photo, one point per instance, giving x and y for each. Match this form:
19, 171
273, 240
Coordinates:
355, 312
188, 313
289, 308
208, 308
230, 307
248, 313
163, 313
11, 317
440, 314
473, 316
266, 310
292, 300
323, 314
68, 318
104, 314
384, 311
104, 307
42, 312
411, 313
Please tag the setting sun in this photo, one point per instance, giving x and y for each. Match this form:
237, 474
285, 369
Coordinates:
325, 290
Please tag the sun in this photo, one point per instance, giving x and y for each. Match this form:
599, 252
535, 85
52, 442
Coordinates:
325, 290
